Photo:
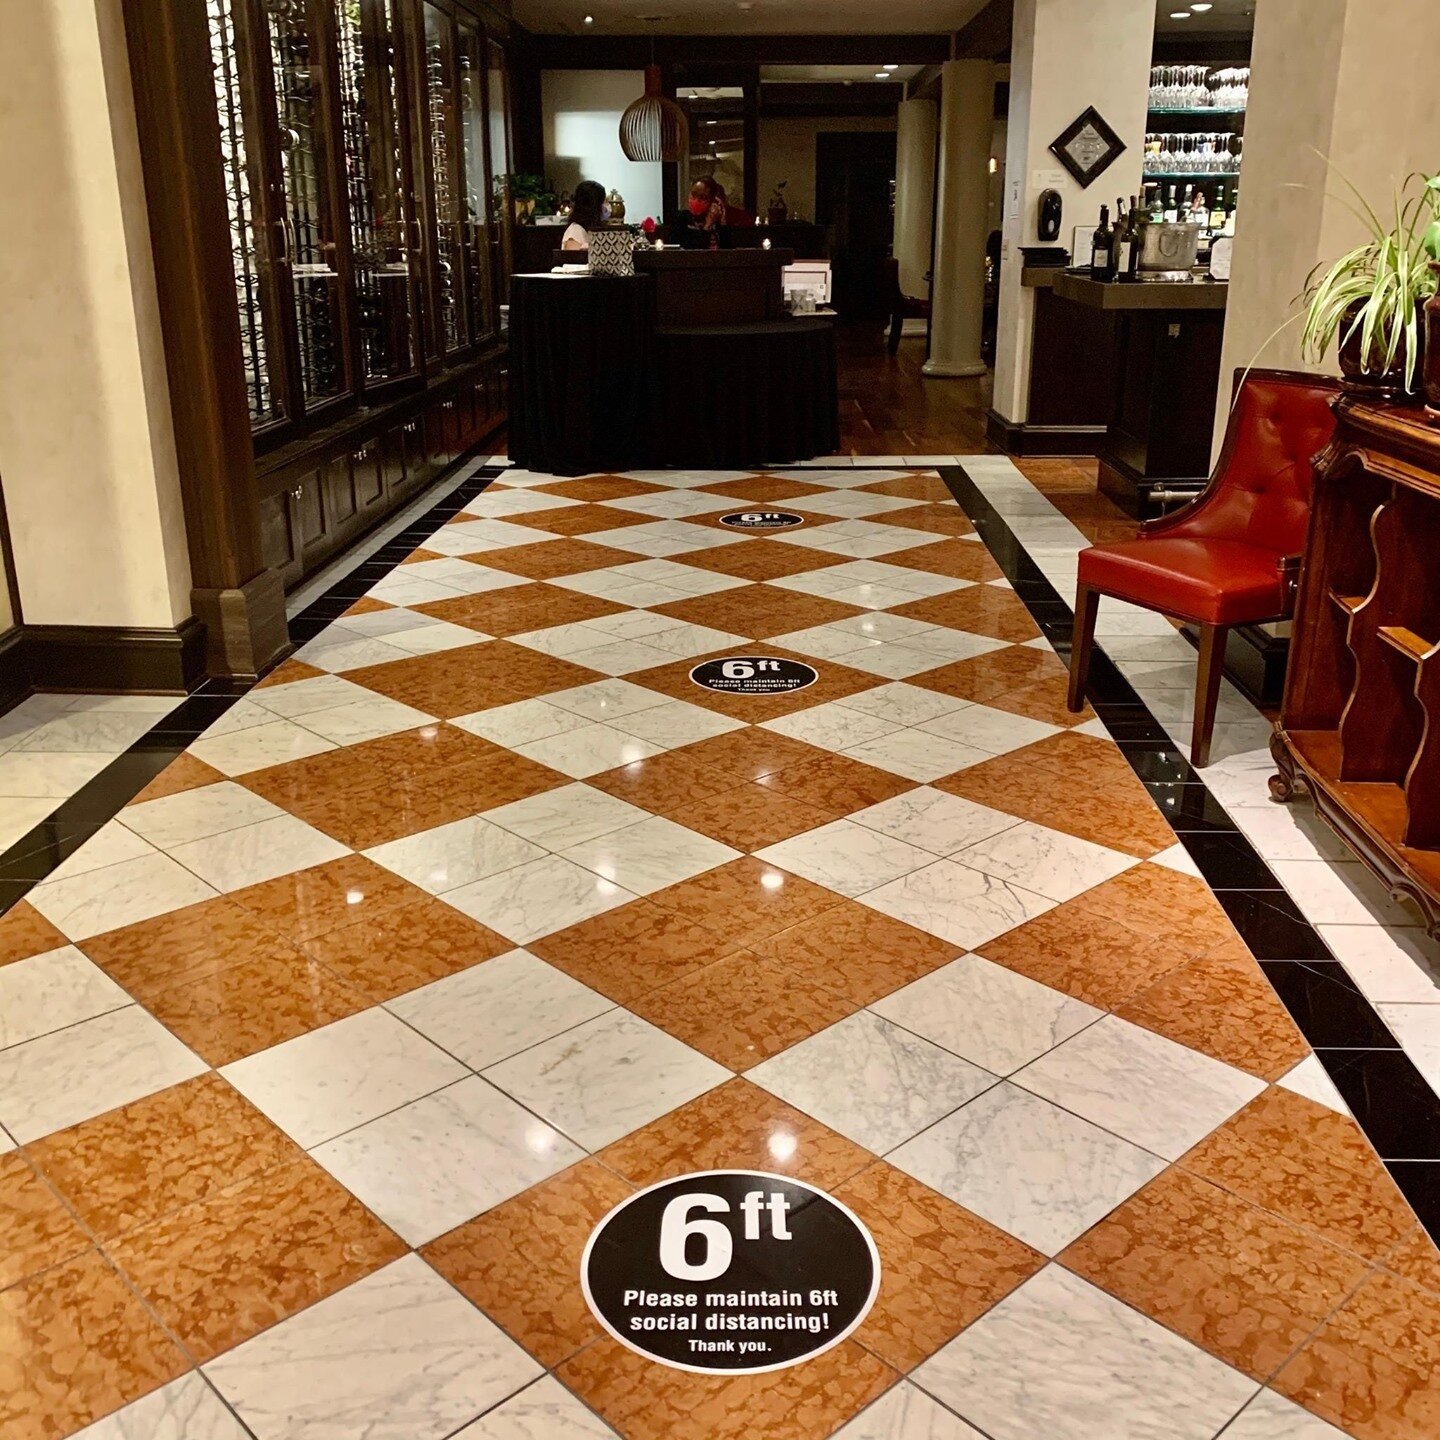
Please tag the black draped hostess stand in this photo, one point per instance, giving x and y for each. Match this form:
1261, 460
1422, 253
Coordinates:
690, 362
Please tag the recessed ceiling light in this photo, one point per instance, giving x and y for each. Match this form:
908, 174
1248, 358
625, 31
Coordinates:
712, 122
589, 19
881, 75
896, 67
1201, 9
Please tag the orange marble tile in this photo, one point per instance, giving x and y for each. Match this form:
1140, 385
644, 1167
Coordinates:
940, 518
1417, 1258
154, 1156
585, 519
310, 902
78, 1344
647, 1401
1154, 900
24, 932
1225, 1008
960, 559
519, 607
751, 817
759, 611
598, 487
183, 947
743, 1009
764, 488
913, 487
837, 783
736, 1126
253, 1005
941, 1267
39, 1229
858, 952
520, 1262
1238, 1281
988, 678
418, 557
1374, 1366
183, 773
982, 610
290, 671
225, 1268
631, 949
746, 900
367, 605
1310, 1165
407, 947
549, 558
761, 560
751, 753
664, 783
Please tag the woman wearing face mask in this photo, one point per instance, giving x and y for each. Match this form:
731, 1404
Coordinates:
707, 205
588, 211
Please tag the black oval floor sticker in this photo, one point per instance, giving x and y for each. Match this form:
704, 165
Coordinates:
762, 520
730, 1270
754, 675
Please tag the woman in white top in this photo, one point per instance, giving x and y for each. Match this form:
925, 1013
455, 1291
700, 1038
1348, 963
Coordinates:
588, 212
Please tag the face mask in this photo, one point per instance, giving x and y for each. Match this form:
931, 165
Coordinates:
698, 206
604, 212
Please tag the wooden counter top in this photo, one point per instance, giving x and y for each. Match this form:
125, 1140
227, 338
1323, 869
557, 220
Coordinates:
1199, 294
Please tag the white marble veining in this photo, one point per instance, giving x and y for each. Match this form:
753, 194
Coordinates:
62, 1078
50, 991
991, 1016
606, 700
1340, 894
934, 820
607, 1077
545, 1410
538, 898
676, 723
994, 731
957, 903
1162, 1096
520, 721
1390, 965
237, 858
623, 657
1045, 861
589, 750
1035, 1170
88, 731
894, 662
871, 1080
321, 1084
825, 642
100, 900
337, 650
683, 640
48, 775
460, 577
445, 1158
399, 1355
650, 855
111, 844
568, 815
907, 1413
499, 1007
1272, 1417
196, 814
366, 719
846, 857
904, 704
455, 854
831, 726
258, 746
916, 755
20, 815
185, 1409
1060, 1359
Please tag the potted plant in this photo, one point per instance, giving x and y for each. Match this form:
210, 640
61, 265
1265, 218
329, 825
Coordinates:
528, 194
1372, 299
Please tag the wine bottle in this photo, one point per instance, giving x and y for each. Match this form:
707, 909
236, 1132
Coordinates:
1124, 243
1101, 250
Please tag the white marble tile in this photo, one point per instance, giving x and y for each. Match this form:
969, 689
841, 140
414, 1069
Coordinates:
934, 820
185, 1409
1400, 966
846, 857
872, 596
111, 844
682, 641
399, 1355
460, 577
604, 700
1047, 862
849, 504
496, 503
245, 714
633, 625
237, 858
569, 815
995, 731
1177, 858
101, 900
445, 1158
562, 640
51, 775
957, 903
455, 854
1059, 1358
18, 817
499, 1007
825, 642
88, 731
382, 625
1417, 1028
337, 650
676, 723
1035, 1170
606, 1078
944, 644
465, 537
1340, 894
1272, 1417
895, 662
321, 1084
152, 705
1162, 1096
259, 746
831, 726
195, 814
47, 992
524, 720
904, 704
907, 1413
545, 1410
589, 751
367, 719
987, 1014
537, 899
916, 755
1309, 1079
872, 1081
623, 657
650, 855
876, 625
70, 1075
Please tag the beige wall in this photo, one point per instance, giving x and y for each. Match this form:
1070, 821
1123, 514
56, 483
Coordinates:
1350, 79
86, 448
787, 152
581, 111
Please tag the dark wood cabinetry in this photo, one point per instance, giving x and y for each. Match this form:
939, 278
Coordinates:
1360, 723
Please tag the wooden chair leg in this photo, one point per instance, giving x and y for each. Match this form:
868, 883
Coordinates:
1082, 641
1207, 690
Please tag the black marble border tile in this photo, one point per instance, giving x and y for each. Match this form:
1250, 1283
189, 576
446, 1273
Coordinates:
74, 820
1390, 1099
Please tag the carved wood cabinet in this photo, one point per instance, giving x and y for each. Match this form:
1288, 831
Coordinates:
1360, 721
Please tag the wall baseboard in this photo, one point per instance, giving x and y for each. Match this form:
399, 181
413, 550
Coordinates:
102, 659
1036, 441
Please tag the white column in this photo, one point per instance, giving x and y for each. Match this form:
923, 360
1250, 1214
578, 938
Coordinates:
915, 139
1318, 72
92, 489
957, 296
1065, 56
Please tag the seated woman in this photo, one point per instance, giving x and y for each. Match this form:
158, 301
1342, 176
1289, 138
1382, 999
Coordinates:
707, 205
588, 211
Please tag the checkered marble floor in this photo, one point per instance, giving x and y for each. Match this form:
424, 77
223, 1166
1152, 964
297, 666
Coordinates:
320, 1062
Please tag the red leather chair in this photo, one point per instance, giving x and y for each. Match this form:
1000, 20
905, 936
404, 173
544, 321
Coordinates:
1230, 557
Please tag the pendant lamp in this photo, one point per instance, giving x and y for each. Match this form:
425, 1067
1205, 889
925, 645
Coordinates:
654, 127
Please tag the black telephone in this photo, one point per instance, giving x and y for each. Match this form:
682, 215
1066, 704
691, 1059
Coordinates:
1051, 208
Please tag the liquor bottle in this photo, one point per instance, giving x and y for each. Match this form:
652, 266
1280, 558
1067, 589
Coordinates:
1124, 241
1101, 250
1172, 204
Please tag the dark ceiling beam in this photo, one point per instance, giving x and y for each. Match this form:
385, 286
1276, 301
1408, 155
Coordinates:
629, 52
987, 36
825, 99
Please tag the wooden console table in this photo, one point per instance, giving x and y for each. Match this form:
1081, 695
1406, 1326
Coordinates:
1360, 722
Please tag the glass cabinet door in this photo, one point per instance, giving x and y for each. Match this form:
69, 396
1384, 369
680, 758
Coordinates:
497, 95
441, 137
474, 122
377, 190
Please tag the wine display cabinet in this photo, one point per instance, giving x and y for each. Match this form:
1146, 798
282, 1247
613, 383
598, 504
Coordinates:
1360, 722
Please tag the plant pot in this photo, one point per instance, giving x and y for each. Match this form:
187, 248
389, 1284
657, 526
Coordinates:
1430, 328
1372, 380
525, 212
